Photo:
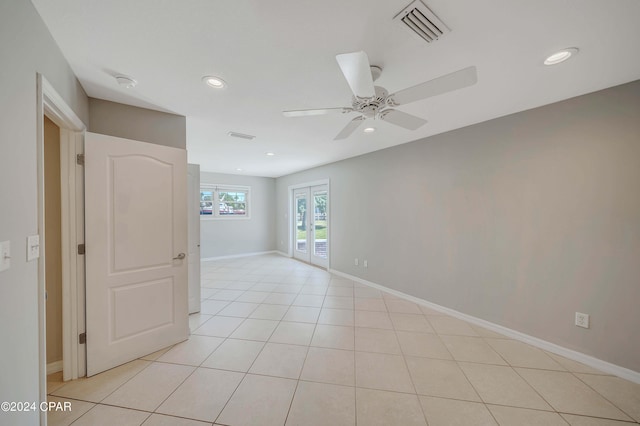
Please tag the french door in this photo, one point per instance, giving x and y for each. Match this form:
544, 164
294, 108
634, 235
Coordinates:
311, 224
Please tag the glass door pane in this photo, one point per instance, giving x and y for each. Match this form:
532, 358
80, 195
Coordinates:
320, 224
301, 223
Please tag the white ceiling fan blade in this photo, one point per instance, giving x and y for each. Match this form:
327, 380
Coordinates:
402, 119
447, 83
350, 128
356, 69
308, 112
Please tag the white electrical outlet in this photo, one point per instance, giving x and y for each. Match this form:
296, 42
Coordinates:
365, 264
355, 261
582, 320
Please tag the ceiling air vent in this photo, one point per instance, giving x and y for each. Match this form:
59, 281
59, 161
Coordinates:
422, 22
241, 135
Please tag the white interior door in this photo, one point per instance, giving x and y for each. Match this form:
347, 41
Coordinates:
193, 210
311, 224
136, 240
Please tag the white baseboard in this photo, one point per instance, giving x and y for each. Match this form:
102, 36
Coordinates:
54, 367
281, 253
596, 363
235, 256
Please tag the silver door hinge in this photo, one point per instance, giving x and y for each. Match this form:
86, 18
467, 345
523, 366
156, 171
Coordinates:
81, 249
82, 338
80, 159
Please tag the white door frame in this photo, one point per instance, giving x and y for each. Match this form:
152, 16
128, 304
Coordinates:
292, 217
51, 104
193, 212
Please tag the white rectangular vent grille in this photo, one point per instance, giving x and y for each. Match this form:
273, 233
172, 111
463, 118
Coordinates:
241, 135
422, 22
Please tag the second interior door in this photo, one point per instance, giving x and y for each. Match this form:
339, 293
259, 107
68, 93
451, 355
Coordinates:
311, 225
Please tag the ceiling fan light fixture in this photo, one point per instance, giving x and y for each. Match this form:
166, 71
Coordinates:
374, 102
126, 82
215, 82
561, 56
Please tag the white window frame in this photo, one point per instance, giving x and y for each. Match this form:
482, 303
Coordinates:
216, 189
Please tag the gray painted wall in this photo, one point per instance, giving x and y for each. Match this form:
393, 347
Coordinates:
521, 221
26, 47
226, 237
141, 124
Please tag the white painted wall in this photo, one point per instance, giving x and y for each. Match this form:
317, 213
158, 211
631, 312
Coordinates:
227, 237
140, 124
26, 47
521, 221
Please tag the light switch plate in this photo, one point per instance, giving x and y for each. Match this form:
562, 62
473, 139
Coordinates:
5, 255
33, 247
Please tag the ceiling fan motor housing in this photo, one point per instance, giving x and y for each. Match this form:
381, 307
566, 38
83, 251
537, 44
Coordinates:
370, 107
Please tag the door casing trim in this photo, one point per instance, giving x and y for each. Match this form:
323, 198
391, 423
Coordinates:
51, 104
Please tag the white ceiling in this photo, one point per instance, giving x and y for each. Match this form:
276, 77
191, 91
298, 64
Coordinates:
280, 54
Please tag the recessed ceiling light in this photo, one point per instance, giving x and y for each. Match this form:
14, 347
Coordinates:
270, 154
126, 82
239, 169
369, 129
561, 56
213, 81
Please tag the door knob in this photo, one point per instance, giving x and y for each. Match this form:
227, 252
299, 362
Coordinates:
180, 256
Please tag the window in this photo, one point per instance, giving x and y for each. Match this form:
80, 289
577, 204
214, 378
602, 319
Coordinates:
224, 201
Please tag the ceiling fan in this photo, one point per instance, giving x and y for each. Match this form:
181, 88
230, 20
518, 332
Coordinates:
375, 102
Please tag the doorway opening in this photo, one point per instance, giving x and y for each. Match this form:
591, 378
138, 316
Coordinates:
60, 228
310, 223
53, 247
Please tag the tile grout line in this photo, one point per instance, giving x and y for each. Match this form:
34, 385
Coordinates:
507, 365
195, 368
295, 391
602, 396
424, 413
231, 396
255, 359
406, 365
535, 390
114, 406
248, 369
119, 386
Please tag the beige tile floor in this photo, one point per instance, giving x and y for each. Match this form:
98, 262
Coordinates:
280, 342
